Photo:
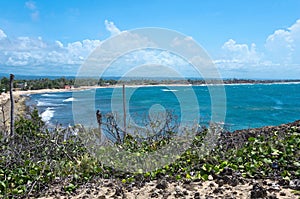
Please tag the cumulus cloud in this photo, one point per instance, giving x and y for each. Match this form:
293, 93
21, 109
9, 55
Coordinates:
112, 28
2, 34
34, 51
283, 46
278, 56
235, 55
27, 51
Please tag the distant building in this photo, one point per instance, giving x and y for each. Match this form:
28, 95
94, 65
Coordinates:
21, 86
68, 87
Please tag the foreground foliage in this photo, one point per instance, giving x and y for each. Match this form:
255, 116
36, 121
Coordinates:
37, 158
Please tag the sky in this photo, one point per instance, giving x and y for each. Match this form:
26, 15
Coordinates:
245, 39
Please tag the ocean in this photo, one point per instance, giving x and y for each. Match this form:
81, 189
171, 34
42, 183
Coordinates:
247, 105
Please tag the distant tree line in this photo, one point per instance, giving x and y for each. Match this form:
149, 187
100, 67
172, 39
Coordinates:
46, 83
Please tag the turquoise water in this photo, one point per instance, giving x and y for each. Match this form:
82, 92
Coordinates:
247, 105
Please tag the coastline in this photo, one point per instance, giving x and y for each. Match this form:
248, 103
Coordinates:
216, 187
21, 96
82, 88
20, 109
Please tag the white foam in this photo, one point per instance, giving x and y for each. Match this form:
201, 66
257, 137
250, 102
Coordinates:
49, 95
169, 90
40, 103
47, 115
71, 99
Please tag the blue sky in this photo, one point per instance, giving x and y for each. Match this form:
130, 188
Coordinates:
252, 39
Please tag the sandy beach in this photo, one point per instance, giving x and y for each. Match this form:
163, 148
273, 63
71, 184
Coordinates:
212, 189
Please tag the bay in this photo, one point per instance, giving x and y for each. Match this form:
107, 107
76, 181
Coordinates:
247, 105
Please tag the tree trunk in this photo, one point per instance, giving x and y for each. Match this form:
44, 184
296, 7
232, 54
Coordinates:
12, 105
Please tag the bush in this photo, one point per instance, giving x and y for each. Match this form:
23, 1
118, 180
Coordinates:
35, 158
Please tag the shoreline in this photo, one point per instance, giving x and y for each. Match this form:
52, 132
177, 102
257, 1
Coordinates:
217, 187
22, 96
83, 88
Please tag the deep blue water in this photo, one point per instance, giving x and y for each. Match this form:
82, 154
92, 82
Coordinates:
247, 105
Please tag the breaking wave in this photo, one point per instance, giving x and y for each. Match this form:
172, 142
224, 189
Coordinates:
47, 115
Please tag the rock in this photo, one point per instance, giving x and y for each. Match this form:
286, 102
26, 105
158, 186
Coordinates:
119, 191
185, 192
189, 187
272, 197
274, 187
282, 194
154, 195
295, 184
218, 190
220, 182
166, 194
197, 195
258, 192
162, 184
227, 171
178, 192
283, 182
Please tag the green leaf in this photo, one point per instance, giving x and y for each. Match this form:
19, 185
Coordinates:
267, 161
3, 184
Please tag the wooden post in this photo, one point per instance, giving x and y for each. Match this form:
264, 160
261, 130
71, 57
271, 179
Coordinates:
12, 105
124, 109
99, 121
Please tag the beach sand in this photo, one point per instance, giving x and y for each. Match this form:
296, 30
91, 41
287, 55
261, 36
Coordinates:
237, 188
20, 109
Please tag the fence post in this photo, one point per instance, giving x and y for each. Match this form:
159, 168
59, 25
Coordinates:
124, 109
12, 105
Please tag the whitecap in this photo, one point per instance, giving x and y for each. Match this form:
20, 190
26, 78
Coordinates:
71, 99
40, 103
47, 115
169, 90
49, 95
43, 104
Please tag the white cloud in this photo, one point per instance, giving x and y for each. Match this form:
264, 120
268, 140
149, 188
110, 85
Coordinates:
111, 27
26, 51
283, 46
279, 57
237, 55
30, 5
29, 51
35, 14
2, 34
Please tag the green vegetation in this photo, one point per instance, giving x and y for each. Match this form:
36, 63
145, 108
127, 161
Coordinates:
45, 83
35, 158
59, 83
